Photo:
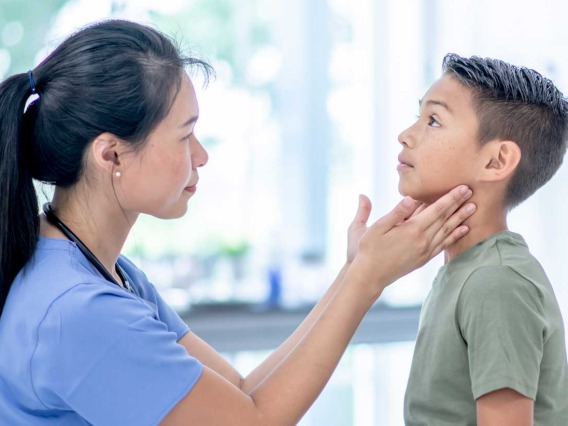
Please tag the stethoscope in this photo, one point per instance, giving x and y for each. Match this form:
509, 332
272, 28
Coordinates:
54, 220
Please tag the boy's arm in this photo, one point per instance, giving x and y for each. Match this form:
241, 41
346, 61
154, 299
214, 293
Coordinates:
502, 322
504, 407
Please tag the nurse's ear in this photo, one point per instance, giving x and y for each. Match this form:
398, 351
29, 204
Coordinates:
105, 153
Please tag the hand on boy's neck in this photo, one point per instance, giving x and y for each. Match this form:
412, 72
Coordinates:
498, 162
489, 218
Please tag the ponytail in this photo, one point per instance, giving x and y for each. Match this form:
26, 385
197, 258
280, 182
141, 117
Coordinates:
114, 76
19, 222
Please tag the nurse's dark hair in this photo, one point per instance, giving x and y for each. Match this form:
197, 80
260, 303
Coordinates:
520, 105
114, 76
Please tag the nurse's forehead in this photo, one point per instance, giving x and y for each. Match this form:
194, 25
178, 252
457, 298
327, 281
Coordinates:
190, 121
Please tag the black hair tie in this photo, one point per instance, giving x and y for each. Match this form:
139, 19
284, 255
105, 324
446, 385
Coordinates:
32, 82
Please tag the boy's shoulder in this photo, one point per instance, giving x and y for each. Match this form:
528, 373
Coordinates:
500, 264
499, 252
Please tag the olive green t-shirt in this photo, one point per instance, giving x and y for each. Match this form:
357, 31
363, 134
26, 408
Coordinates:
490, 321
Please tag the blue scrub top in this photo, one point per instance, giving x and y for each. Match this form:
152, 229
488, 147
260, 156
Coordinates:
76, 349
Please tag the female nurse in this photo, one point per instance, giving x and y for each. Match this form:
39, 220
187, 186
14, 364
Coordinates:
85, 338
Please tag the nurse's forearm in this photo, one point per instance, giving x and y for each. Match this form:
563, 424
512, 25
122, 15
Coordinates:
291, 387
266, 367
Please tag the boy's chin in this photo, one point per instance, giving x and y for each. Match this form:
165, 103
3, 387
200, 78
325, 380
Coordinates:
423, 197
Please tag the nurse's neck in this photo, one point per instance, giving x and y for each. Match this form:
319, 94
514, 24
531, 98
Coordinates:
95, 218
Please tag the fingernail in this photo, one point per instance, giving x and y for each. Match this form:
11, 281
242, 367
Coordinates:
470, 208
406, 202
463, 230
463, 189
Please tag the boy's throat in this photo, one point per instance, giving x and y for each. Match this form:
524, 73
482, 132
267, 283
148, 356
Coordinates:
478, 231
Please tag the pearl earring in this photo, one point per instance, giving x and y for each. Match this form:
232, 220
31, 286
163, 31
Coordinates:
118, 174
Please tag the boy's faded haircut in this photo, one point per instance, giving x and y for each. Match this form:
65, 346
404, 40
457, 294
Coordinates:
517, 104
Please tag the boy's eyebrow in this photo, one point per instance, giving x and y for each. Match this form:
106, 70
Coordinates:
435, 102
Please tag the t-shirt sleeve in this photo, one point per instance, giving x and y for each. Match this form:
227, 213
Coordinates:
106, 355
500, 315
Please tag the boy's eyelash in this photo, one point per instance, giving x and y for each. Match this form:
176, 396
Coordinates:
430, 119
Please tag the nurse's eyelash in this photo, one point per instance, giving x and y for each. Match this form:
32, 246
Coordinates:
186, 137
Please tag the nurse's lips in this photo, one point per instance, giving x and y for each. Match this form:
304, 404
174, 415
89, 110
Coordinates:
191, 188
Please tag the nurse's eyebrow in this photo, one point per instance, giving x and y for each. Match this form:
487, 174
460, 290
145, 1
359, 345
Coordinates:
438, 103
190, 121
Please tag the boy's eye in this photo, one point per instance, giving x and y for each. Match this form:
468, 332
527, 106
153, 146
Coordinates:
433, 122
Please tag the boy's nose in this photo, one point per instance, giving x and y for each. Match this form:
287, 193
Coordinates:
405, 137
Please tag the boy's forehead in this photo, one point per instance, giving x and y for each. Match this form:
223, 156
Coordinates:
448, 93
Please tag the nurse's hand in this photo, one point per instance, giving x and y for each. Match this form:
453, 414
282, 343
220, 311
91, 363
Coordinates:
358, 227
405, 239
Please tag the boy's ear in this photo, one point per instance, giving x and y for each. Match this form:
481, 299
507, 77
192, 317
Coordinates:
501, 160
105, 151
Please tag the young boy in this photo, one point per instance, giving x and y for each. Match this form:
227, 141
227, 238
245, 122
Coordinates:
491, 347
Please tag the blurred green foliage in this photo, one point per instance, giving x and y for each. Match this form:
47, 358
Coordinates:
24, 25
222, 28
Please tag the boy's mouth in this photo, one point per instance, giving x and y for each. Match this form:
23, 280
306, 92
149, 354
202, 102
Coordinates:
403, 163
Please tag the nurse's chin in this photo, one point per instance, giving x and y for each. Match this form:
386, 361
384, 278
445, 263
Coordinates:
175, 212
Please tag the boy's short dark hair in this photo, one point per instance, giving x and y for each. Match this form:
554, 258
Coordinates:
517, 104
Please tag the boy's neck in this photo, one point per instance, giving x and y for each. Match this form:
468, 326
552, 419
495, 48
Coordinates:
489, 218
